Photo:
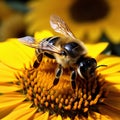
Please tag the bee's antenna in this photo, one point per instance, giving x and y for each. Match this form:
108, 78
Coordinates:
101, 66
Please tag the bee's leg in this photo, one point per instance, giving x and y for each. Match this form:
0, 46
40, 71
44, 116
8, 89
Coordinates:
58, 73
38, 60
73, 80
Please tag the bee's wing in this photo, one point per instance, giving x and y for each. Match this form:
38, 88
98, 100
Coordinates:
29, 41
46, 46
60, 26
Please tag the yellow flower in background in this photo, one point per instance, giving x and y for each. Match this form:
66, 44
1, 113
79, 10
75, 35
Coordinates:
5, 11
14, 26
11, 22
23, 92
87, 18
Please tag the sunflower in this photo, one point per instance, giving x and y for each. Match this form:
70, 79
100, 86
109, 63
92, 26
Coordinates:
24, 90
11, 21
5, 11
88, 18
14, 26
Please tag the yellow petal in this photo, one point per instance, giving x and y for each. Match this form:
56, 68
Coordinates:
110, 69
93, 37
113, 34
113, 78
108, 60
66, 118
27, 114
57, 118
113, 89
18, 111
7, 89
95, 49
43, 116
6, 73
112, 62
4, 111
98, 116
37, 115
43, 34
113, 102
6, 76
4, 67
51, 117
117, 87
113, 114
7, 100
15, 54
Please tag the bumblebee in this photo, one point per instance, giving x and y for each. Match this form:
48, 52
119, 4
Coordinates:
68, 51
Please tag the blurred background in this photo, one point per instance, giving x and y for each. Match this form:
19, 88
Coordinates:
91, 21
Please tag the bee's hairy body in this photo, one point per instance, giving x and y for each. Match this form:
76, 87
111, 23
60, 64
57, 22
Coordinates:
71, 56
68, 51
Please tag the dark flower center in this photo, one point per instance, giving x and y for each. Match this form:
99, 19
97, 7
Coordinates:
61, 98
89, 10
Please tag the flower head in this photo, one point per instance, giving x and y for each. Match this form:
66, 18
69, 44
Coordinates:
89, 19
11, 21
24, 89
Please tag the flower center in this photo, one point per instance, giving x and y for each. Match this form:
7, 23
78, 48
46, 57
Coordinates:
89, 10
61, 98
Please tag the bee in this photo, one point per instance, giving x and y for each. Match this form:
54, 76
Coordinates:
68, 51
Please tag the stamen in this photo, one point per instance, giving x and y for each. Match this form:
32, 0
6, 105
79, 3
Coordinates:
60, 99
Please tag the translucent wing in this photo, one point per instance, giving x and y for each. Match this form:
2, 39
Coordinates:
43, 45
46, 46
29, 41
60, 26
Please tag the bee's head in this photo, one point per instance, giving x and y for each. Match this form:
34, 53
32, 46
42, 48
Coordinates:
87, 66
